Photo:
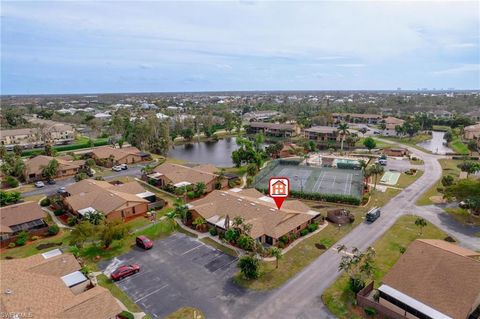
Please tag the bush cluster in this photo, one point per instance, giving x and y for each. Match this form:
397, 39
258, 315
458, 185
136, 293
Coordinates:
45, 202
333, 198
53, 230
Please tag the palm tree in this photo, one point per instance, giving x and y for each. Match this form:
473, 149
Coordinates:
343, 128
375, 170
420, 222
51, 170
277, 253
200, 188
181, 210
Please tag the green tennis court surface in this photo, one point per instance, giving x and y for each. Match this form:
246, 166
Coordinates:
390, 178
322, 180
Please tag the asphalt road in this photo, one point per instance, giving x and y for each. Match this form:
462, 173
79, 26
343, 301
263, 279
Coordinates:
134, 170
180, 271
300, 296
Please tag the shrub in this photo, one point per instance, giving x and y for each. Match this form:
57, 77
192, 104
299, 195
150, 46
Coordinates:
53, 230
232, 184
12, 245
402, 249
449, 239
33, 238
80, 176
191, 195
246, 242
21, 238
71, 221
126, 315
304, 232
312, 227
284, 239
231, 235
249, 267
356, 285
370, 311
281, 245
59, 212
11, 181
334, 198
213, 231
45, 202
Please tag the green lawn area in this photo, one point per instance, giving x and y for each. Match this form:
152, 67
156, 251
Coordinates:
186, 313
160, 193
380, 144
463, 216
449, 167
458, 146
30, 249
105, 282
416, 161
441, 128
405, 179
305, 252
340, 300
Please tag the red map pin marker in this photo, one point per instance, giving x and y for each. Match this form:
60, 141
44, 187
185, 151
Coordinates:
279, 189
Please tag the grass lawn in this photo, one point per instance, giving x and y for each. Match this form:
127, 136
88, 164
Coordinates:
463, 216
30, 249
105, 282
380, 144
458, 146
34, 198
186, 313
213, 243
305, 252
411, 141
340, 300
405, 179
441, 128
449, 167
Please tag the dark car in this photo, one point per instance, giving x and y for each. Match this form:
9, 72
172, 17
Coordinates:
372, 215
124, 271
51, 182
144, 242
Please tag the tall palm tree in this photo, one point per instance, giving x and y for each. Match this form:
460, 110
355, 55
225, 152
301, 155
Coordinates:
343, 128
376, 170
277, 253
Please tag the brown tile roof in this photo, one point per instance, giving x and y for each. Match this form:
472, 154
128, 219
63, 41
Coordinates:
358, 115
440, 275
208, 168
36, 164
179, 173
18, 131
321, 129
18, 214
393, 120
256, 209
118, 153
35, 286
274, 126
103, 196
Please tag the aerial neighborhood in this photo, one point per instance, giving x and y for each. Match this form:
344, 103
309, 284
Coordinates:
240, 160
85, 190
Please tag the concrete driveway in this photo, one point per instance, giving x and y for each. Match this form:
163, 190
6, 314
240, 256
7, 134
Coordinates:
397, 164
181, 271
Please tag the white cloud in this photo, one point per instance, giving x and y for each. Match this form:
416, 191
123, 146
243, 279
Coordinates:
459, 70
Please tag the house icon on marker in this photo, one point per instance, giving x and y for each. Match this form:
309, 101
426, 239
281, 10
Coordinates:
279, 188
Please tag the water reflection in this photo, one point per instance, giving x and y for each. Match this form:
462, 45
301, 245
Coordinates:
437, 144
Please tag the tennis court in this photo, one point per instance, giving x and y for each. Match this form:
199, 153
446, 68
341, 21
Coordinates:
322, 180
390, 178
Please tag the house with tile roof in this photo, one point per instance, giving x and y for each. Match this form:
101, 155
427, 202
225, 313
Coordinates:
109, 156
26, 216
219, 209
273, 129
51, 285
180, 175
123, 201
66, 168
433, 279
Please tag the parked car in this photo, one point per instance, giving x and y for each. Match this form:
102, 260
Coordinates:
123, 166
61, 190
124, 271
89, 173
39, 184
116, 169
372, 215
51, 182
382, 162
144, 242
376, 132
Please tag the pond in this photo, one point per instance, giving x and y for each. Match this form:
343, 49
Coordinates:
437, 144
217, 153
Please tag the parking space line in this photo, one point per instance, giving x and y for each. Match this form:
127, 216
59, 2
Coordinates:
155, 291
191, 249
226, 265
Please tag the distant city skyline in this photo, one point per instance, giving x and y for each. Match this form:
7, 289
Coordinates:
114, 47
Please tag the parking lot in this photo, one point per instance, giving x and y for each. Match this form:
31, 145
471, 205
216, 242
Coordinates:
180, 271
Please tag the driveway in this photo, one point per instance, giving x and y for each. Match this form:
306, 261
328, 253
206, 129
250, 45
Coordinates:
397, 164
181, 271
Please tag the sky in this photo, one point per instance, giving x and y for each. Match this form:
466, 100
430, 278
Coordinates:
96, 47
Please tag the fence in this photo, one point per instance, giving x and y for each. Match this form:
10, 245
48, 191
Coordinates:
364, 302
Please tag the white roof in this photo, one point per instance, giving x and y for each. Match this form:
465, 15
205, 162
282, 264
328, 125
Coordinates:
84, 211
145, 194
267, 199
102, 115
74, 278
414, 303
52, 253
218, 221
182, 184
155, 175
236, 190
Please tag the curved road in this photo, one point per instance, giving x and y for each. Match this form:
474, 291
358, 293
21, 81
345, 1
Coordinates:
300, 296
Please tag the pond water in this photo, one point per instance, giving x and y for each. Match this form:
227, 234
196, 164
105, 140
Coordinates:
217, 153
436, 144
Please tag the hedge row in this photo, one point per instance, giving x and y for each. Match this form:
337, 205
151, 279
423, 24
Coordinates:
333, 198
64, 148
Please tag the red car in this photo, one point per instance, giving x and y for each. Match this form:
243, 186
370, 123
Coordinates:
144, 242
124, 271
